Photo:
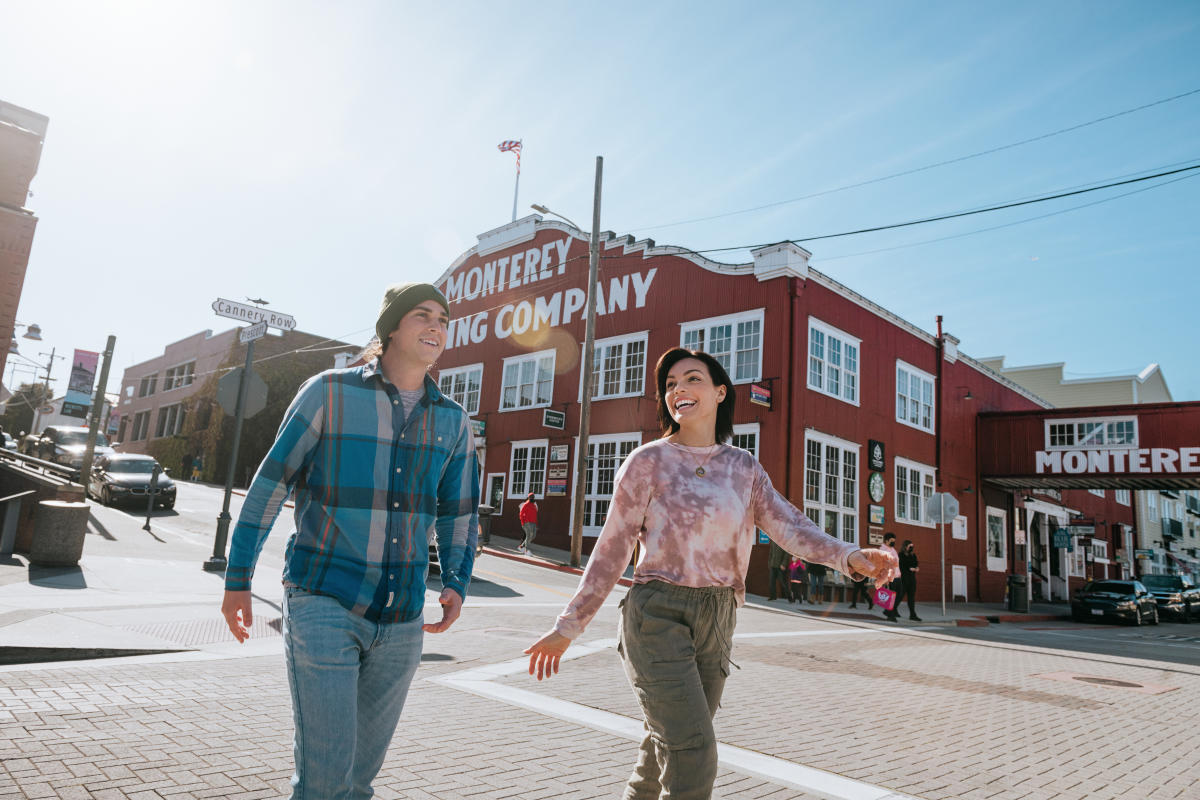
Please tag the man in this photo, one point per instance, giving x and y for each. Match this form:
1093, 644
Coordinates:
380, 462
889, 544
778, 561
528, 517
816, 582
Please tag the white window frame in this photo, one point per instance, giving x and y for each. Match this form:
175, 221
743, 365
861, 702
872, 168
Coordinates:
623, 341
536, 359
1122, 496
453, 372
179, 376
849, 391
148, 385
1152, 505
590, 496
169, 420
748, 429
923, 423
1053, 429
518, 489
141, 426
928, 482
996, 563
1096, 492
818, 508
733, 321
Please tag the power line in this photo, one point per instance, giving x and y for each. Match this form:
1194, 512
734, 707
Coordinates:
817, 262
954, 215
915, 170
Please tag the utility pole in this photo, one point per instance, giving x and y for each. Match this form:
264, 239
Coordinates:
218, 561
589, 347
85, 469
37, 414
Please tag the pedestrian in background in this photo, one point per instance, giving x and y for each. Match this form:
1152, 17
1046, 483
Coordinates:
798, 580
816, 582
778, 561
861, 589
381, 462
693, 503
908, 580
889, 545
528, 516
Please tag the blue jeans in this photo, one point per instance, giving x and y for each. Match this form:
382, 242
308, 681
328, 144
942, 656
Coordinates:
349, 678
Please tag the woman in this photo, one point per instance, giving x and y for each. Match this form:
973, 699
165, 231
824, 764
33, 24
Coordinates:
908, 581
693, 504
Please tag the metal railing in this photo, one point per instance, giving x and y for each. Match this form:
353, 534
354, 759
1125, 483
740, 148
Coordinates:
40, 466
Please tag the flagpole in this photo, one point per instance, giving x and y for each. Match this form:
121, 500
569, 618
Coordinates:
516, 188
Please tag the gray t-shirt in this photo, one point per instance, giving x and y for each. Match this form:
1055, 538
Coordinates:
409, 400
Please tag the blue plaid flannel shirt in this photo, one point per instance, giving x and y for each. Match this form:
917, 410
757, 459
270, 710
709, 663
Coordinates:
371, 489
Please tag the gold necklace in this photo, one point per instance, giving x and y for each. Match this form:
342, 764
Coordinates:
700, 470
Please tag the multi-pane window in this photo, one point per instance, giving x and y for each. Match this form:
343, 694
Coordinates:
141, 426
735, 341
462, 385
1095, 432
833, 357
1122, 496
746, 437
914, 397
182, 375
619, 367
1151, 505
170, 420
1096, 492
914, 486
148, 385
528, 381
831, 485
605, 456
527, 469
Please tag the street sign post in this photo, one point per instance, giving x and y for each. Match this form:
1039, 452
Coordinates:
261, 317
942, 507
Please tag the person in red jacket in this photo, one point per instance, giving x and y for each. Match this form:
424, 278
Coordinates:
528, 522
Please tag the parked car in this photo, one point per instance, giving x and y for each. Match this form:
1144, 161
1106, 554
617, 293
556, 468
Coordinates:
1176, 596
120, 478
64, 444
7, 442
1128, 601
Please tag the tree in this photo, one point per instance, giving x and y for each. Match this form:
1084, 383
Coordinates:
18, 414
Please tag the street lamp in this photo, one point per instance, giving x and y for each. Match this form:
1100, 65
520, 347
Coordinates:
589, 347
543, 210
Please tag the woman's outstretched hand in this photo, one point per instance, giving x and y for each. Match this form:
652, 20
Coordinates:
545, 653
878, 565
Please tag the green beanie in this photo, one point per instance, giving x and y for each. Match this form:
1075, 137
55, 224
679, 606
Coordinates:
399, 299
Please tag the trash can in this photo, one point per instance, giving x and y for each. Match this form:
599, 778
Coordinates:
59, 528
1018, 599
485, 523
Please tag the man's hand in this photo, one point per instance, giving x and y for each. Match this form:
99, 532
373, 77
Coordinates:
236, 610
451, 607
878, 565
545, 653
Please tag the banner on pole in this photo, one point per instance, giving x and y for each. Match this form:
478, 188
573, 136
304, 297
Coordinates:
78, 399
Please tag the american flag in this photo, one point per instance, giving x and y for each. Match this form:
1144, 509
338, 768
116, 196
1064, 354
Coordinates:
511, 145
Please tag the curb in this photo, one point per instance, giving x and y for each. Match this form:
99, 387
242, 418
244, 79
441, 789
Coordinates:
40, 655
534, 561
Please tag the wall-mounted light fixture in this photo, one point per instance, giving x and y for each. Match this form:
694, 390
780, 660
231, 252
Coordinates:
968, 395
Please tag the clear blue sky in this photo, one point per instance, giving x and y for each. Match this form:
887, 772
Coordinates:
311, 153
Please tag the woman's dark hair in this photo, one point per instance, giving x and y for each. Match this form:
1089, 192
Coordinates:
907, 544
724, 426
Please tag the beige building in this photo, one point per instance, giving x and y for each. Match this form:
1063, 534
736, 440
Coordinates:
1166, 523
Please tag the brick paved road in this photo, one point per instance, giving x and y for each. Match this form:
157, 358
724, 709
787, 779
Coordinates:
969, 720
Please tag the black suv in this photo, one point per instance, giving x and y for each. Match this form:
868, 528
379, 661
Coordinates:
63, 444
1176, 596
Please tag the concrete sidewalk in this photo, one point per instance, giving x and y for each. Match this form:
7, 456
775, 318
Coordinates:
117, 602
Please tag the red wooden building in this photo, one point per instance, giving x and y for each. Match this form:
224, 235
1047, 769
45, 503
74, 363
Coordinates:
858, 415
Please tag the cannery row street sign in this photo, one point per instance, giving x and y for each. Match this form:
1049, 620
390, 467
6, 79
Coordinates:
245, 313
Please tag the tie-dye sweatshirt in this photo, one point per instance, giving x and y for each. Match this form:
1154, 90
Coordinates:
694, 530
